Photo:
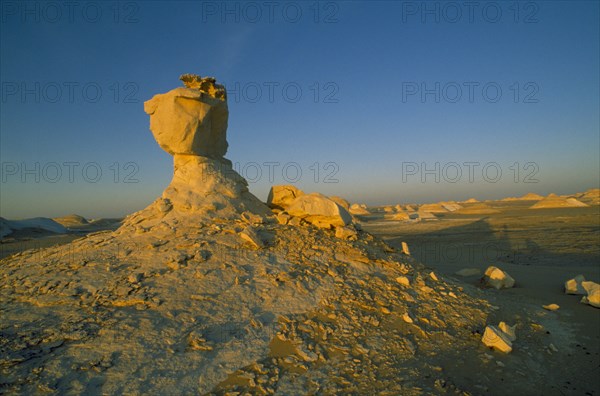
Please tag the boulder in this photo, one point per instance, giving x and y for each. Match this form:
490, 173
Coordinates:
509, 331
319, 210
191, 120
401, 216
574, 286
498, 279
340, 201
281, 197
359, 209
593, 294
347, 232
496, 339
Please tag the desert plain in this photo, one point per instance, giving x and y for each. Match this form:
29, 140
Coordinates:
209, 290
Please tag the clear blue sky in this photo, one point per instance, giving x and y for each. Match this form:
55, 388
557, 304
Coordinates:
360, 67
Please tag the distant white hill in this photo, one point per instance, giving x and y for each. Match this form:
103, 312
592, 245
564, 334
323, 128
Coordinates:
40, 223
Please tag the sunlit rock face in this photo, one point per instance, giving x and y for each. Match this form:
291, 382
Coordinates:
191, 120
190, 123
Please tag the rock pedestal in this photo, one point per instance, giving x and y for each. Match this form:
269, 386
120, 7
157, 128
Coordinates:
190, 123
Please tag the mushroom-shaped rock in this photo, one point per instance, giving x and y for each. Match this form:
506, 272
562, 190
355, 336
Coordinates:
319, 210
497, 278
191, 121
281, 196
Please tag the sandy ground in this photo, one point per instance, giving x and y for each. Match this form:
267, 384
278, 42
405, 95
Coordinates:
26, 239
541, 249
308, 314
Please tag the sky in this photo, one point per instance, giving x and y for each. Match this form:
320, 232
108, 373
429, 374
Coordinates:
379, 102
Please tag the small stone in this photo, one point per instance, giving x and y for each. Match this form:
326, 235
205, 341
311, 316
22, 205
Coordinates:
551, 307
406, 317
250, 235
508, 330
433, 276
593, 294
403, 280
347, 232
574, 286
405, 249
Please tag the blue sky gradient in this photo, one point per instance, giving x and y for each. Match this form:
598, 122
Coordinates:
356, 120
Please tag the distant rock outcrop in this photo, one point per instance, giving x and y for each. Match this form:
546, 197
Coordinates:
71, 220
555, 201
477, 208
7, 227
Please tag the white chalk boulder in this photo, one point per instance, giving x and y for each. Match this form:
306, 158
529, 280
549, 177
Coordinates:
574, 286
498, 279
281, 197
593, 294
495, 338
191, 120
319, 210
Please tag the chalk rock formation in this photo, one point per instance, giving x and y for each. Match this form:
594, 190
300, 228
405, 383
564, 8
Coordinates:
359, 209
282, 196
555, 201
593, 294
340, 201
494, 337
574, 286
319, 210
191, 120
190, 123
497, 278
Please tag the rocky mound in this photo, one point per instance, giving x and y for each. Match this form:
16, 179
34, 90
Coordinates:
555, 201
590, 197
478, 208
433, 208
526, 197
206, 291
72, 220
36, 224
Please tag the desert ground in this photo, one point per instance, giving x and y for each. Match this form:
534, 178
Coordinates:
209, 290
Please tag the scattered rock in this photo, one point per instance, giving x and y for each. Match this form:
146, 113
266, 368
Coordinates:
508, 330
593, 294
433, 276
319, 210
498, 279
282, 196
359, 209
405, 249
551, 307
403, 280
250, 235
496, 339
347, 232
283, 218
574, 286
